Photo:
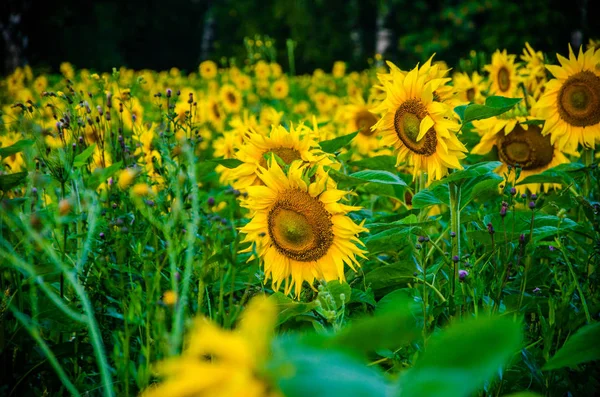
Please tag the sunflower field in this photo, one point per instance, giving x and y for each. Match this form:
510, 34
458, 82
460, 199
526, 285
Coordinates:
241, 230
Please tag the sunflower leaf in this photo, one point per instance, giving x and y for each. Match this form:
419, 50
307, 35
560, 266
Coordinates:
494, 106
227, 163
82, 157
335, 144
16, 148
8, 181
578, 349
460, 359
376, 176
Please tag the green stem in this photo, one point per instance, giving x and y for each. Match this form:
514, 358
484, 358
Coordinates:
572, 271
35, 334
291, 59
454, 192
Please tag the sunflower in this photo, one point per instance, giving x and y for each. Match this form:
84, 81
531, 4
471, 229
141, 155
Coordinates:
523, 145
231, 363
295, 144
213, 113
421, 129
225, 147
230, 98
533, 73
300, 230
357, 116
570, 105
469, 88
208, 70
280, 89
503, 74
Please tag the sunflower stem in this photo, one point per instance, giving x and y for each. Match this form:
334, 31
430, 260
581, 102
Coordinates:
454, 193
570, 266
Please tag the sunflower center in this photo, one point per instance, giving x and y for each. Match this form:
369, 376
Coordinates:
471, 94
364, 121
579, 99
231, 98
407, 122
503, 79
216, 112
527, 148
288, 155
300, 227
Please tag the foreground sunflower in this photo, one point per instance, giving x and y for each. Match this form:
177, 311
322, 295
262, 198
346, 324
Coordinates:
570, 105
522, 145
296, 144
503, 74
299, 228
218, 362
422, 130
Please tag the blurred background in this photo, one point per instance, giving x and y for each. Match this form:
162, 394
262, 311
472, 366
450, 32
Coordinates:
160, 34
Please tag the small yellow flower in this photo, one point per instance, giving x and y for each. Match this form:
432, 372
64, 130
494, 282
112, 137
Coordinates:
126, 178
141, 190
169, 298
208, 70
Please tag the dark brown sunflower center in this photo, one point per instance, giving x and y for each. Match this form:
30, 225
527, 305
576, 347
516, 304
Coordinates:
216, 112
300, 227
364, 121
231, 98
503, 79
471, 94
579, 99
284, 153
407, 122
526, 148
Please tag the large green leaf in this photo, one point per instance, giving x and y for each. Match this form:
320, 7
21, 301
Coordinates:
227, 163
494, 106
430, 197
288, 308
15, 148
460, 359
8, 181
468, 173
580, 348
391, 275
100, 176
366, 176
386, 163
300, 370
335, 144
562, 174
81, 158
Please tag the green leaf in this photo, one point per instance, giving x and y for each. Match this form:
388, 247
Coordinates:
15, 148
386, 330
428, 197
81, 158
381, 177
481, 188
580, 348
494, 106
386, 240
562, 174
460, 359
302, 370
469, 172
360, 296
386, 163
335, 144
228, 163
391, 275
99, 176
9, 181
289, 308
336, 289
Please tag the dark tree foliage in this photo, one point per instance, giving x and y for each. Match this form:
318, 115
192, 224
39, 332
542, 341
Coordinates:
160, 34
